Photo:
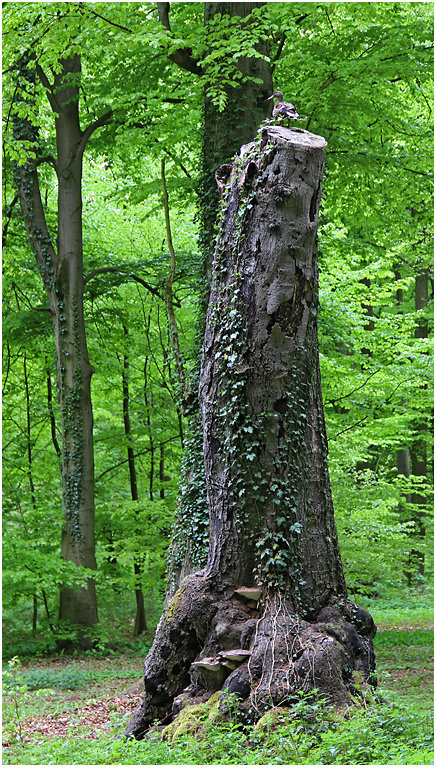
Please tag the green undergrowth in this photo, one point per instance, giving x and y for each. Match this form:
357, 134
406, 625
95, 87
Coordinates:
30, 648
396, 729
71, 678
386, 735
409, 609
403, 637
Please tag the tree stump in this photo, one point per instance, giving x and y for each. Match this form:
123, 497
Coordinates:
273, 586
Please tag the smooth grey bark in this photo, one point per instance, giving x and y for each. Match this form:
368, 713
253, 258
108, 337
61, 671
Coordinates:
140, 616
78, 543
418, 452
61, 269
225, 131
265, 452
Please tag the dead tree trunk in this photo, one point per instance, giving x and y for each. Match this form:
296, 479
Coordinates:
223, 133
271, 514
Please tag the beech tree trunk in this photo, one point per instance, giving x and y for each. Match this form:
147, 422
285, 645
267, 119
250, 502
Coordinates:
416, 563
265, 451
61, 269
140, 616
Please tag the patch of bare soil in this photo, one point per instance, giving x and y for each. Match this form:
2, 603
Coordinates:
89, 719
383, 626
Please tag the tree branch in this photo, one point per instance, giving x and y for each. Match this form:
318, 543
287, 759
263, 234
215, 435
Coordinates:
278, 52
183, 57
8, 216
349, 428
108, 21
17, 290
103, 270
136, 455
51, 412
49, 89
47, 159
344, 397
89, 130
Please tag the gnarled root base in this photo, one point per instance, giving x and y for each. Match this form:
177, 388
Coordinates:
204, 620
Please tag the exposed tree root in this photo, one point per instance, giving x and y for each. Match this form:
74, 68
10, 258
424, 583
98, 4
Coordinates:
288, 654
266, 470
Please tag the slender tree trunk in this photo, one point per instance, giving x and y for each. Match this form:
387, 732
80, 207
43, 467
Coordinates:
225, 131
403, 454
62, 273
51, 413
265, 451
149, 426
30, 475
140, 617
162, 470
46, 606
34, 615
28, 434
419, 448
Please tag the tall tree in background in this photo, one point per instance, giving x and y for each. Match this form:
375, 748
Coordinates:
419, 446
61, 268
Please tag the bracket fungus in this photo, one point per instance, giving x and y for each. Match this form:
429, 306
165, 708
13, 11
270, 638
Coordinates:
233, 659
211, 663
238, 654
249, 593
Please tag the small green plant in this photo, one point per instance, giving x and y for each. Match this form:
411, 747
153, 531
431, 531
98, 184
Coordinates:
385, 735
69, 679
14, 691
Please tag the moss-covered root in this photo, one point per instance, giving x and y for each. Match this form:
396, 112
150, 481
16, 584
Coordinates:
285, 655
193, 718
180, 635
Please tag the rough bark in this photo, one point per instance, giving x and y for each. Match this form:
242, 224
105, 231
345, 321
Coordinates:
265, 451
223, 133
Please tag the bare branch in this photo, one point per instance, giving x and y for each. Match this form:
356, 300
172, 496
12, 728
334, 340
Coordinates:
344, 397
108, 21
135, 278
8, 216
136, 455
279, 51
49, 89
349, 428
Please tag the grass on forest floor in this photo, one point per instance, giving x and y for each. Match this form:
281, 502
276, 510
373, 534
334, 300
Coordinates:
80, 719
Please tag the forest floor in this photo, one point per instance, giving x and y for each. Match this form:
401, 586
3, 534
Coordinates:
73, 711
